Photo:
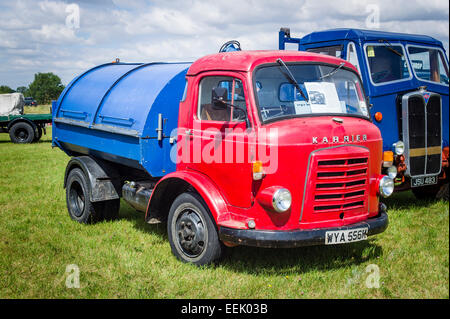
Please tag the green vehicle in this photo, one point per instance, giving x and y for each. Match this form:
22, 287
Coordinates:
26, 128
22, 128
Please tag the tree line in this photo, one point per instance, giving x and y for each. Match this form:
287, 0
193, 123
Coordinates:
44, 88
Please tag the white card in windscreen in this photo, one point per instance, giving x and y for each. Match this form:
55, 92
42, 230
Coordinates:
323, 97
302, 107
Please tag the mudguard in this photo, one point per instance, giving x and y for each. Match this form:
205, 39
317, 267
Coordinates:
103, 179
200, 182
21, 119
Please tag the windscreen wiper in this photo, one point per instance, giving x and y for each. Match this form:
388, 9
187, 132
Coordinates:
291, 78
389, 46
332, 72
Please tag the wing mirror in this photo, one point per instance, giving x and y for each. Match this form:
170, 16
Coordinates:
218, 98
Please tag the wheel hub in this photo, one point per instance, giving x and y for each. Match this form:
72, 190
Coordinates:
76, 199
191, 233
22, 135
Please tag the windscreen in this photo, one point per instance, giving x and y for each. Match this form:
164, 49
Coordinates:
308, 89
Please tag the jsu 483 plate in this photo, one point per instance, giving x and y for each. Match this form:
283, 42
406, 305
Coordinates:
423, 181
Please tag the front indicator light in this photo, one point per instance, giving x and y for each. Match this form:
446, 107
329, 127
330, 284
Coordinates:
257, 169
281, 200
388, 158
378, 116
392, 171
386, 186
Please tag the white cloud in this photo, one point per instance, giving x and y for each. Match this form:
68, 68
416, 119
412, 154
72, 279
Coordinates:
34, 36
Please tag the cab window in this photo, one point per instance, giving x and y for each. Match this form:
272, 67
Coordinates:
352, 56
387, 63
333, 50
429, 64
235, 97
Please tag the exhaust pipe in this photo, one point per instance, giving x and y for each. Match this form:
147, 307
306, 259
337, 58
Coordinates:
136, 195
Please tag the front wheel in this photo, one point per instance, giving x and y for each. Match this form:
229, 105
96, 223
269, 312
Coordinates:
438, 191
192, 232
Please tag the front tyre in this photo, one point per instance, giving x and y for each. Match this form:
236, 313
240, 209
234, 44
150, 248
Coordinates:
443, 192
438, 191
192, 232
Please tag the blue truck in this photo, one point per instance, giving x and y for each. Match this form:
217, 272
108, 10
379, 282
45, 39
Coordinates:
406, 79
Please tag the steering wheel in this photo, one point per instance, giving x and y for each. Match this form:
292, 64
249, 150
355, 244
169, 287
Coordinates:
239, 114
280, 109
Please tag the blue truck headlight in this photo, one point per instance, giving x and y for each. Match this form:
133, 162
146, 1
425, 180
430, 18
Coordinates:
399, 148
281, 200
386, 186
392, 171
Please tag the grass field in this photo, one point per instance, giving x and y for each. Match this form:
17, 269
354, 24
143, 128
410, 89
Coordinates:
131, 259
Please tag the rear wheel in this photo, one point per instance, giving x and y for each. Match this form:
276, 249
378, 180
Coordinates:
79, 206
192, 232
38, 134
22, 133
426, 192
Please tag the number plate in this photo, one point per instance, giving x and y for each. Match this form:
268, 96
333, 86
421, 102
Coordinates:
423, 181
345, 236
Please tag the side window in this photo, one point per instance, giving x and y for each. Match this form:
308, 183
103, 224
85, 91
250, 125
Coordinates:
334, 50
387, 63
429, 64
235, 99
352, 57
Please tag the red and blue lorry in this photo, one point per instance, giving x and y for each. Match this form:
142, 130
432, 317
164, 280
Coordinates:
257, 148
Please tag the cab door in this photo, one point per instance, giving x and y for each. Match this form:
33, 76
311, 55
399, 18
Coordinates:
220, 137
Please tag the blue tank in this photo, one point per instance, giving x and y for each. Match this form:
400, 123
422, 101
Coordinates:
122, 112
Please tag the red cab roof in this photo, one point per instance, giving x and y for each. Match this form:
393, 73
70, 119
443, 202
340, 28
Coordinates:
247, 60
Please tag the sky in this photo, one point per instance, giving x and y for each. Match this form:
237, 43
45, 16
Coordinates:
68, 37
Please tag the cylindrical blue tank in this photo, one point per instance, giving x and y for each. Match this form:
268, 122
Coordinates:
114, 111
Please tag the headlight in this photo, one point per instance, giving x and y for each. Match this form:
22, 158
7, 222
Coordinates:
281, 200
392, 171
386, 186
399, 148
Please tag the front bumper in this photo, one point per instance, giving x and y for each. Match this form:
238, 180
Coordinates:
296, 238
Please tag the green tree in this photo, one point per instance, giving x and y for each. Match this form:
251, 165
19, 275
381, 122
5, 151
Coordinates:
45, 87
5, 89
22, 89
